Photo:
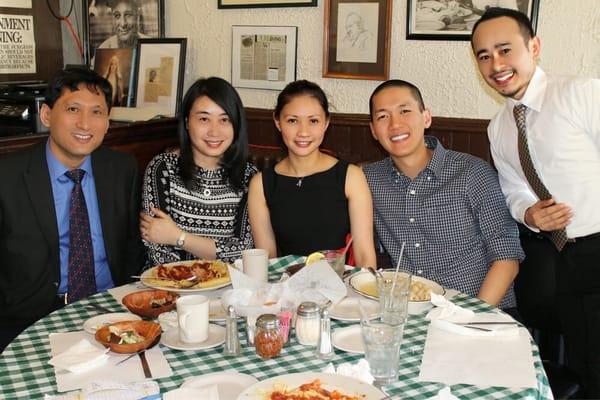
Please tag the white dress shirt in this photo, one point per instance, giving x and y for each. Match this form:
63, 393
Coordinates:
563, 131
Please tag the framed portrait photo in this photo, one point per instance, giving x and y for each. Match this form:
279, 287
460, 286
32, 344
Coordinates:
158, 74
116, 65
265, 3
356, 42
454, 19
116, 24
263, 57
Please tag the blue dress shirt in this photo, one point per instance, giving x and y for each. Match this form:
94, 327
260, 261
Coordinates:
61, 191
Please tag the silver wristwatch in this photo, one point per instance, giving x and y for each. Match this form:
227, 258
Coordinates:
180, 241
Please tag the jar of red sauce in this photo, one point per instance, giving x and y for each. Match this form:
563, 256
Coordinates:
268, 340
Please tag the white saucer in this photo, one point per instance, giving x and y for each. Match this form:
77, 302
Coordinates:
229, 384
216, 337
97, 322
348, 309
348, 339
216, 311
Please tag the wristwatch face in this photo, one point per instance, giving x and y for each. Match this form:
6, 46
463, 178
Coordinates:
180, 240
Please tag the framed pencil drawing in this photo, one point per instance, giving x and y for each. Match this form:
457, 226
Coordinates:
454, 19
356, 43
158, 74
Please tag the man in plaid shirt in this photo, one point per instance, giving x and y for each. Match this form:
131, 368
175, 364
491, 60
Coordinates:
445, 206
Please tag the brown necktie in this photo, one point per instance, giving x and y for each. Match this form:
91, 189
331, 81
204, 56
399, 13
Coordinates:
559, 237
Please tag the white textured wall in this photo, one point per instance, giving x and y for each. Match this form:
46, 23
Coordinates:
444, 71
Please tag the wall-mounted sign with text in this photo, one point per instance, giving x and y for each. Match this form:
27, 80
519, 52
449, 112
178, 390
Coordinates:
17, 44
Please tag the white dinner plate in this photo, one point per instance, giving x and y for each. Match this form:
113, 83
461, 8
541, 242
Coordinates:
147, 276
348, 309
344, 384
229, 384
363, 283
216, 311
93, 324
216, 337
348, 339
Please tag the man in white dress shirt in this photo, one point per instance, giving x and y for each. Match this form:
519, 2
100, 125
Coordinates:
559, 139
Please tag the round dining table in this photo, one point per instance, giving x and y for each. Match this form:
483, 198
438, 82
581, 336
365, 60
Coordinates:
26, 374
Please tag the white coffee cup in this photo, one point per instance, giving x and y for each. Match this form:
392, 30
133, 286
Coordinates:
192, 316
256, 264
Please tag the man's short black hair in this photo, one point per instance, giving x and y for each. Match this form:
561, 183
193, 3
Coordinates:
416, 93
496, 12
73, 77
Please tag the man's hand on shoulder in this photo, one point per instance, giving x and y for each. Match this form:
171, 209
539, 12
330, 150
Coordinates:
547, 215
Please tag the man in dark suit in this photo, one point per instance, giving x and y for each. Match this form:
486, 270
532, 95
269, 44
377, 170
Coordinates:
40, 264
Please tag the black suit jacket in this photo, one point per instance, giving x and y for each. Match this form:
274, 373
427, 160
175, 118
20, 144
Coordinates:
29, 248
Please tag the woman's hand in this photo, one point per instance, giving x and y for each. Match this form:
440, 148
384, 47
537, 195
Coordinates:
160, 228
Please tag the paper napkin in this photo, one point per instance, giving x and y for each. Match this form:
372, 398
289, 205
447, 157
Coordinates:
80, 357
444, 394
451, 318
205, 393
318, 283
360, 370
126, 372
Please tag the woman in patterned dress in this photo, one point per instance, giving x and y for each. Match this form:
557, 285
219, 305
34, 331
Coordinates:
194, 202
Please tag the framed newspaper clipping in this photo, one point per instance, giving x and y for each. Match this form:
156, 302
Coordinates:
263, 57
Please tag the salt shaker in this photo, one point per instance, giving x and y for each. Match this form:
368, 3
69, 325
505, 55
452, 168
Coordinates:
232, 339
307, 323
250, 329
324, 346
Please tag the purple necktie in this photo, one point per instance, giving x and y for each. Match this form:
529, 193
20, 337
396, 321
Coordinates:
559, 237
82, 279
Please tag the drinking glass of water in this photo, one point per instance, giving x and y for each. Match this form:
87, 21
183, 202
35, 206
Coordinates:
394, 291
382, 349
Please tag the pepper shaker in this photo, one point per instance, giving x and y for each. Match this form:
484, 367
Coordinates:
232, 339
324, 346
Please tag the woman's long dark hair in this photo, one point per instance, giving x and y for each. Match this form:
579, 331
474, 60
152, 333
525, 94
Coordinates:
234, 159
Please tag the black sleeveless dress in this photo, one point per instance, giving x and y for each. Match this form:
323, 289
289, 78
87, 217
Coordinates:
309, 216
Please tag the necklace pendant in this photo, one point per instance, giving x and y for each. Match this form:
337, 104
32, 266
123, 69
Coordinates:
299, 183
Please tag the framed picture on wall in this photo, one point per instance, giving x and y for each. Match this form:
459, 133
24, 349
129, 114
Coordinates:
357, 39
454, 19
265, 3
115, 65
115, 24
263, 57
158, 74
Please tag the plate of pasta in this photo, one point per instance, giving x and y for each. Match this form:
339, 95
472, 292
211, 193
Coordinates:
364, 283
311, 385
187, 276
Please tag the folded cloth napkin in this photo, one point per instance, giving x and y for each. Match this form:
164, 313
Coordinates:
360, 370
80, 357
444, 394
455, 319
205, 393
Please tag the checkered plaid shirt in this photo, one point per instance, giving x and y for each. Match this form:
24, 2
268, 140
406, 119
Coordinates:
452, 216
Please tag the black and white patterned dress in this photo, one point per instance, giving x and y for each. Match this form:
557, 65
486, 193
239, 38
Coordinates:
212, 209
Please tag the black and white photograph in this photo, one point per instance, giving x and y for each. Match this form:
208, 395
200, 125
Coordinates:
115, 65
116, 24
454, 19
357, 32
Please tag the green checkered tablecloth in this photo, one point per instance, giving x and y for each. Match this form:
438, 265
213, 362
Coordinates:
26, 374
